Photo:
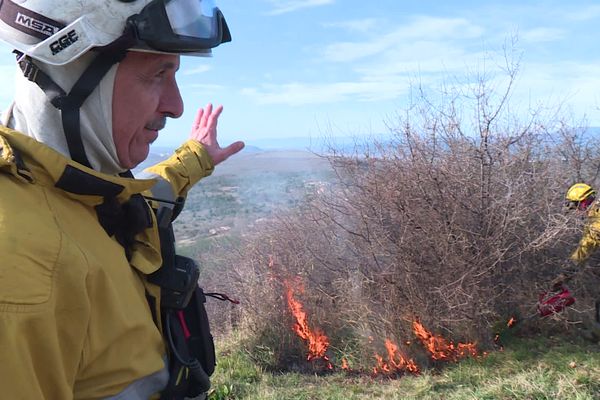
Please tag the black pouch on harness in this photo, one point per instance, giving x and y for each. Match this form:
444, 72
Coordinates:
185, 326
201, 345
190, 345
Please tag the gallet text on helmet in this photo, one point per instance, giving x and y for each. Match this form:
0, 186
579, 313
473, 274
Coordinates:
63, 42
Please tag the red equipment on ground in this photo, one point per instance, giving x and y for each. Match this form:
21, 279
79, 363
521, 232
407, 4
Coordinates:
554, 301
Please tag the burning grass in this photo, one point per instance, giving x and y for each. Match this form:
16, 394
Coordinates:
393, 362
540, 368
317, 341
414, 354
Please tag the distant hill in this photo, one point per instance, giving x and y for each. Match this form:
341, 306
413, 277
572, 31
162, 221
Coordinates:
272, 161
247, 188
296, 143
293, 155
251, 149
315, 144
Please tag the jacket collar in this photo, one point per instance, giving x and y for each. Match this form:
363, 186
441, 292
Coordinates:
47, 167
120, 208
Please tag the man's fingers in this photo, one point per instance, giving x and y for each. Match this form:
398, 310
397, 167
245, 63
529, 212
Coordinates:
231, 150
198, 118
207, 113
234, 148
213, 118
205, 132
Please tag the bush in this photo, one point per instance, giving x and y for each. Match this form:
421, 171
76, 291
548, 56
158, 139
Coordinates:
455, 221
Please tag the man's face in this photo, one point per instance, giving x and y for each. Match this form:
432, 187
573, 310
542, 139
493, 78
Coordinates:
144, 95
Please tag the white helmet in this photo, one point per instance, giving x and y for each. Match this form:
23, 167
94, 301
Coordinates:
58, 32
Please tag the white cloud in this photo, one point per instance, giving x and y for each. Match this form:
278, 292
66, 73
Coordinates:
197, 70
583, 14
538, 35
421, 29
417, 58
296, 94
383, 66
286, 6
574, 83
357, 25
206, 88
352, 51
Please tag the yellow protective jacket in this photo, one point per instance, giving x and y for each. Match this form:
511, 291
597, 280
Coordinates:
75, 321
591, 235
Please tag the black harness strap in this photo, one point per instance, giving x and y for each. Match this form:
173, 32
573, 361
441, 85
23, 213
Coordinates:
121, 220
74, 180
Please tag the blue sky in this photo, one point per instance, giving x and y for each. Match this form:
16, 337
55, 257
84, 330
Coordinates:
344, 67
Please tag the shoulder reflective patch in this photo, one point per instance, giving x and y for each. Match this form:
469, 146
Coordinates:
162, 191
144, 388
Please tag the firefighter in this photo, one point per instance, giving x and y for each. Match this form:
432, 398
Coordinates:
79, 235
581, 198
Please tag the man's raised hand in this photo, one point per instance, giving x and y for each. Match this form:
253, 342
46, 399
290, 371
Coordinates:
204, 130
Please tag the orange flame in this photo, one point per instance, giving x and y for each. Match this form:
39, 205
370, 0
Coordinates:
345, 366
318, 342
442, 349
511, 322
497, 343
396, 361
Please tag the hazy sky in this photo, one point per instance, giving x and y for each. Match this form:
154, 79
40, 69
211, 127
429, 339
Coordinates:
343, 67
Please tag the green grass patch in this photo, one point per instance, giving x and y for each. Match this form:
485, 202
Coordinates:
533, 368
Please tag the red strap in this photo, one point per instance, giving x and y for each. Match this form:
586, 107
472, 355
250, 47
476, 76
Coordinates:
186, 331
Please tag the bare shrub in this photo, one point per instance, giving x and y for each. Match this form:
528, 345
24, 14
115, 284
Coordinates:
456, 221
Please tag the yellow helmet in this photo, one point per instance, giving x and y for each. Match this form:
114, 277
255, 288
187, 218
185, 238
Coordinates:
580, 194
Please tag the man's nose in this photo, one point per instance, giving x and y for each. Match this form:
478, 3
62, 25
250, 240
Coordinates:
171, 103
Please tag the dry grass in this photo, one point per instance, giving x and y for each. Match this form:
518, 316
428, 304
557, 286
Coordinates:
538, 368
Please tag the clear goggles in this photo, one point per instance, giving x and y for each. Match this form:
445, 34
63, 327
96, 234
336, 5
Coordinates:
180, 26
